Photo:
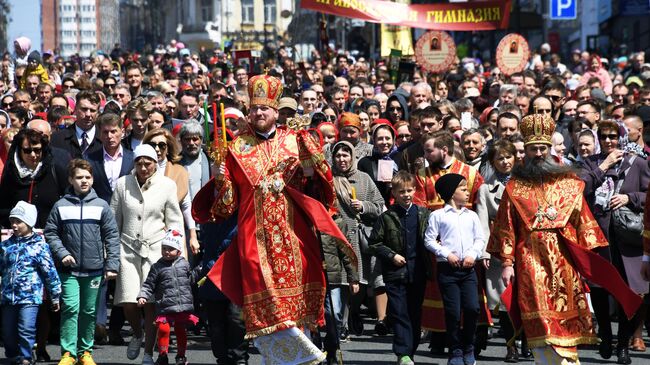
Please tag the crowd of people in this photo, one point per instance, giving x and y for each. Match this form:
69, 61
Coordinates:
439, 198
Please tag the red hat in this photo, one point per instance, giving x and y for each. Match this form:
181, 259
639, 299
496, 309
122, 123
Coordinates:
483, 118
265, 90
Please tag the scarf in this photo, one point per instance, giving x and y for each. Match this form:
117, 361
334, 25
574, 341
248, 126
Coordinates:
342, 185
24, 171
501, 177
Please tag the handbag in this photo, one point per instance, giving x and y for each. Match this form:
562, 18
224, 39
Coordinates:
363, 232
627, 225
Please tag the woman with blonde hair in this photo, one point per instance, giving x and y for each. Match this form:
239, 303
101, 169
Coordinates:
169, 154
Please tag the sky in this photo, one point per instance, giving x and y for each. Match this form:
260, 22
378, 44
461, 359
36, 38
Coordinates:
25, 21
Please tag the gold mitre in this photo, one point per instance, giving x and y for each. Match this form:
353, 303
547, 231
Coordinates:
537, 128
265, 90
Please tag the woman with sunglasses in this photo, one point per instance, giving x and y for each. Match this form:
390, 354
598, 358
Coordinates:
169, 154
615, 179
29, 175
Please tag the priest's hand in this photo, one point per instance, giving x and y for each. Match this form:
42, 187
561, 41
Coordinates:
645, 271
619, 201
507, 274
219, 171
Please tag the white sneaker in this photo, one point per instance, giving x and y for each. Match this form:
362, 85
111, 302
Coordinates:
133, 349
147, 359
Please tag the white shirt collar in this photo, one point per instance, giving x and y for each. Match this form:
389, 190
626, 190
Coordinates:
90, 133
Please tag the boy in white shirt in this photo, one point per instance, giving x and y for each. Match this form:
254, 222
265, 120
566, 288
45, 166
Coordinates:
455, 236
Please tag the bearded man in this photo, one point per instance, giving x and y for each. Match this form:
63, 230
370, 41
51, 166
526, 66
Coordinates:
273, 270
543, 234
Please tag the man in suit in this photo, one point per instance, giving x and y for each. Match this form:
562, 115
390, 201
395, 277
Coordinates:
80, 138
110, 162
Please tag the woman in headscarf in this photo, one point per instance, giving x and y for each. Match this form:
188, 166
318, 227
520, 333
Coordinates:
383, 142
596, 69
359, 205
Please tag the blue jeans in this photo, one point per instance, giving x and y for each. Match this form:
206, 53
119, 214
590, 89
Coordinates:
19, 330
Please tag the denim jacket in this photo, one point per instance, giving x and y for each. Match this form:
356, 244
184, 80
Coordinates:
25, 264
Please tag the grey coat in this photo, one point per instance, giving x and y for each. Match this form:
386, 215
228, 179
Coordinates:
171, 282
373, 206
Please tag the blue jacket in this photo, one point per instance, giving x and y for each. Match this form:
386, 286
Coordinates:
101, 184
84, 228
25, 263
216, 238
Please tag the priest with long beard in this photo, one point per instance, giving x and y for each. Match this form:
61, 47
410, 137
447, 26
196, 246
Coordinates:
544, 233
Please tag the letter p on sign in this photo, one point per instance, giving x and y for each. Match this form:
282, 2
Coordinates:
563, 9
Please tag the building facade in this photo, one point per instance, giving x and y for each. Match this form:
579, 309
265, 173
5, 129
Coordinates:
76, 27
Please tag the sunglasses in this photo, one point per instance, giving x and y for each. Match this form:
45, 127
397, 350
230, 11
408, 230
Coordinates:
395, 109
554, 97
612, 136
160, 145
403, 136
36, 150
6, 105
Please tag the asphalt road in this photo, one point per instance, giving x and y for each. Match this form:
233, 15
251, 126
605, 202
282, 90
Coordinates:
367, 349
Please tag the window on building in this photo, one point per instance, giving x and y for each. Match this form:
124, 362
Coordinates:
269, 12
206, 10
247, 15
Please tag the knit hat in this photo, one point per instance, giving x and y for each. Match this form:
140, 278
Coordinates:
34, 56
173, 239
144, 150
25, 212
447, 184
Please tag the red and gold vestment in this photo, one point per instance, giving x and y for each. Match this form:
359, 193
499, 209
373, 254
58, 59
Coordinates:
539, 228
273, 270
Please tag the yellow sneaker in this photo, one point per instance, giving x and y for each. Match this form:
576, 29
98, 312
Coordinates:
67, 359
86, 359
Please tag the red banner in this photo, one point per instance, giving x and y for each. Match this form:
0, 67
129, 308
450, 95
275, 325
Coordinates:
483, 15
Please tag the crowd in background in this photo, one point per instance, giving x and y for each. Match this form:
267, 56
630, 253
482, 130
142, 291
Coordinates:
143, 124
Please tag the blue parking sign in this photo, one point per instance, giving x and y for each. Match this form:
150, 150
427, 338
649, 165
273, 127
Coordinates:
563, 9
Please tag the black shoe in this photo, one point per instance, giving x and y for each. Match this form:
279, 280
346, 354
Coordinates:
345, 336
513, 355
623, 355
181, 360
525, 351
381, 329
605, 348
42, 356
116, 340
162, 360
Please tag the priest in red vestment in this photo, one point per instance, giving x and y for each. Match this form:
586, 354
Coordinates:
273, 269
543, 234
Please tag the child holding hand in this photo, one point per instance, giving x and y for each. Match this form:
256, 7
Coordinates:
170, 279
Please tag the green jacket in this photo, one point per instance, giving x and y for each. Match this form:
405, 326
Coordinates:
387, 240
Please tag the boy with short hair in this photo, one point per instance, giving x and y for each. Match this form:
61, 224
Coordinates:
83, 237
456, 238
25, 263
397, 239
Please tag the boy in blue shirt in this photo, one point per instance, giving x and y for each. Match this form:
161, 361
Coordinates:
397, 239
455, 236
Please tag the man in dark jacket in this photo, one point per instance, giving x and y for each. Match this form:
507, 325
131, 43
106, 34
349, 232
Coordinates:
112, 161
80, 139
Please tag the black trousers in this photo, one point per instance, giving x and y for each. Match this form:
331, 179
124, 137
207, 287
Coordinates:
459, 291
227, 332
405, 308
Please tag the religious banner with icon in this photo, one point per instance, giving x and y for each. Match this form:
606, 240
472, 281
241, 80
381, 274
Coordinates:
435, 51
512, 54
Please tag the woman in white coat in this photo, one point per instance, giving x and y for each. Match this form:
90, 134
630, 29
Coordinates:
145, 206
